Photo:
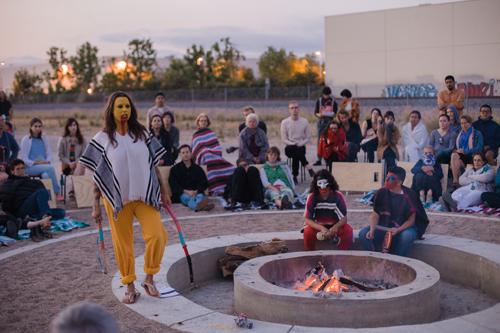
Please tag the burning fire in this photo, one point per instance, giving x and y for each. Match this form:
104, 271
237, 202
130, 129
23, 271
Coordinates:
318, 280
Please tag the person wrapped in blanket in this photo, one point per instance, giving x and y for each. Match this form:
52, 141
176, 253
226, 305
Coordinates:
28, 200
394, 210
326, 214
427, 175
124, 156
277, 180
208, 151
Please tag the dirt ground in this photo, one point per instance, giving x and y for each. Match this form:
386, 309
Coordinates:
36, 285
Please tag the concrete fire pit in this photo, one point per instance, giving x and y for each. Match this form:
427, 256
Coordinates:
256, 290
468, 263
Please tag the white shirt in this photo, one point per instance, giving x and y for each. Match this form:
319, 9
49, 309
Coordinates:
130, 165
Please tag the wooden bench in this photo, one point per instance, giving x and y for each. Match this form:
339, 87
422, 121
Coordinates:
357, 177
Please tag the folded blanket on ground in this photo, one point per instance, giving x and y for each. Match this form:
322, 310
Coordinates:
65, 224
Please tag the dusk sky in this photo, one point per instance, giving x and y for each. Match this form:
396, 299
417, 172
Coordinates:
29, 27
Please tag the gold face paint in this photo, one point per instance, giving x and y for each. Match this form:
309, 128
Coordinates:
121, 113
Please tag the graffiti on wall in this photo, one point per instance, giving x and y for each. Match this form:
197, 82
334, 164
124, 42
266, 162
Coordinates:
410, 90
481, 89
478, 89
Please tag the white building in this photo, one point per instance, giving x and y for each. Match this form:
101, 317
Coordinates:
410, 50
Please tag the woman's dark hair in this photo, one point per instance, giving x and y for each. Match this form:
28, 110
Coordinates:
134, 126
323, 174
325, 131
444, 115
70, 122
375, 110
169, 114
274, 150
33, 121
327, 90
346, 93
184, 146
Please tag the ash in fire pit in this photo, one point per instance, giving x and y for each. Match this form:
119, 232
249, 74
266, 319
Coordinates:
320, 282
284, 288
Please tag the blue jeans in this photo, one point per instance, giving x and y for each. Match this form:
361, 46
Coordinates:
401, 243
191, 202
37, 205
47, 171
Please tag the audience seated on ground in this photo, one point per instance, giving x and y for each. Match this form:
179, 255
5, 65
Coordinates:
369, 133
253, 142
326, 214
350, 105
388, 139
450, 95
325, 109
188, 182
454, 116
244, 189
490, 131
70, 148
469, 142
295, 134
208, 151
7, 112
159, 108
473, 182
415, 137
277, 180
398, 210
173, 132
159, 132
353, 135
84, 317
8, 149
492, 199
36, 154
443, 140
27, 199
427, 175
332, 144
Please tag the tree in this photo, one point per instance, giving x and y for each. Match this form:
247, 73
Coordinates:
26, 84
227, 59
142, 56
86, 67
61, 75
305, 71
276, 65
201, 64
178, 75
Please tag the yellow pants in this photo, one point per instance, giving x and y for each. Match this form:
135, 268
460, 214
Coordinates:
153, 233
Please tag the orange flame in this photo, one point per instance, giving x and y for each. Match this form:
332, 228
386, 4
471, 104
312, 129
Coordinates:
335, 286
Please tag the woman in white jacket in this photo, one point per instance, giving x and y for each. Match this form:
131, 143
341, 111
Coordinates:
37, 156
474, 181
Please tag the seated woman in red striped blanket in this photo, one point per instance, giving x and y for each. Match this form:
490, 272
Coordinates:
208, 151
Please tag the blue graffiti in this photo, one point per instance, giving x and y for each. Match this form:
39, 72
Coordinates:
410, 90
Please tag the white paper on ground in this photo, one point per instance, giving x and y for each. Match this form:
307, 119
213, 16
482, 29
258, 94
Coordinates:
166, 292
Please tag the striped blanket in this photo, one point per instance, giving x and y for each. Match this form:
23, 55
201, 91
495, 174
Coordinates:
208, 151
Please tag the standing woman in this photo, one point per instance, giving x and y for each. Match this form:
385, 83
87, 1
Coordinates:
350, 105
70, 147
173, 132
156, 128
123, 157
36, 154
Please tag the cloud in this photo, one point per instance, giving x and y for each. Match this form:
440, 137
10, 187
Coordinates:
303, 38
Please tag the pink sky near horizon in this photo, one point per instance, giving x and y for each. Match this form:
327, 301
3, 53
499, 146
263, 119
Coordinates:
30, 27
